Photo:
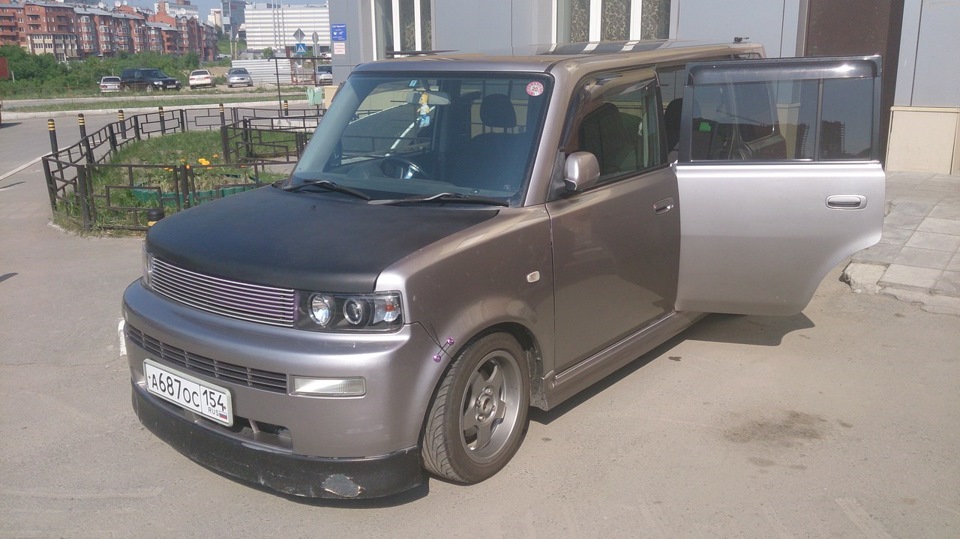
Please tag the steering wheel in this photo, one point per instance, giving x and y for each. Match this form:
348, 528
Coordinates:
401, 168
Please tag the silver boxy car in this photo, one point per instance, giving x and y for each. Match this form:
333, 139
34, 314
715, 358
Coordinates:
467, 238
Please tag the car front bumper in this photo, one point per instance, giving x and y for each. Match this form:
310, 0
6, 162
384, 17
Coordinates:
295, 475
276, 432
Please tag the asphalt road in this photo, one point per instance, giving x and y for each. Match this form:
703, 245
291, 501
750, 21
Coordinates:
843, 421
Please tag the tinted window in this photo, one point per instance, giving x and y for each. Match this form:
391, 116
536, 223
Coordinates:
800, 117
617, 122
393, 136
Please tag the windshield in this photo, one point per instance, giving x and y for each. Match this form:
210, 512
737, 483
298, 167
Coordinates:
402, 136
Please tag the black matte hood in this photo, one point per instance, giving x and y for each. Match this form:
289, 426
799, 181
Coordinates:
302, 240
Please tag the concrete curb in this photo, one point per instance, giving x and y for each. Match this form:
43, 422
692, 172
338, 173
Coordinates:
863, 277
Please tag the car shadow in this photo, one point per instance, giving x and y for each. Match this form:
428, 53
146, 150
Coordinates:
721, 328
745, 329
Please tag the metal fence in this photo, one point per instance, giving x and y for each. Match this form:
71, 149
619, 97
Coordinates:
89, 190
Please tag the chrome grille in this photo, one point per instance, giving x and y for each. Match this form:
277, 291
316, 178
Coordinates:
234, 299
228, 372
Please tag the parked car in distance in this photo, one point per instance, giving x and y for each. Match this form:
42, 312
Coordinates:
238, 76
466, 237
200, 78
324, 74
148, 79
110, 84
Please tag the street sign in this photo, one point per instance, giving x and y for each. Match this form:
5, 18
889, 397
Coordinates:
298, 35
316, 38
301, 48
338, 32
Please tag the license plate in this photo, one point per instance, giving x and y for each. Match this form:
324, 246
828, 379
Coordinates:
208, 400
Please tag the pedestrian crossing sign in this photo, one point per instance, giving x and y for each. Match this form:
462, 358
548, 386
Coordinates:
300, 49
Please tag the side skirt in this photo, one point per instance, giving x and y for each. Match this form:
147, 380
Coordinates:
561, 386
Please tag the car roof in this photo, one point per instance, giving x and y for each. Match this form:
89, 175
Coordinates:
546, 58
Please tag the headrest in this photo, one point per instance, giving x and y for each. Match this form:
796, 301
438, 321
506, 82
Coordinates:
496, 110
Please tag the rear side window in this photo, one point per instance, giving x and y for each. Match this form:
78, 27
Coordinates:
797, 116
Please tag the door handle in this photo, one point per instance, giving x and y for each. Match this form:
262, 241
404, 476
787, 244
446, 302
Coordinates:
846, 202
663, 206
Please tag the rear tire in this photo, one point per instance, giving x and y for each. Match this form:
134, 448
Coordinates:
479, 413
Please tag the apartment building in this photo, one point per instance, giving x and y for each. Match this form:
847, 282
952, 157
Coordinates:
273, 25
74, 31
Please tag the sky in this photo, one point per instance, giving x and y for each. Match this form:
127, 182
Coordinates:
206, 5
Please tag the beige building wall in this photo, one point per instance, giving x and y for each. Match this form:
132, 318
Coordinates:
924, 139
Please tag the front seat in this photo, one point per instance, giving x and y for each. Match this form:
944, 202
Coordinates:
603, 133
496, 158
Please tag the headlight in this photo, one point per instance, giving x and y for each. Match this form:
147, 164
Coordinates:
147, 266
322, 309
354, 312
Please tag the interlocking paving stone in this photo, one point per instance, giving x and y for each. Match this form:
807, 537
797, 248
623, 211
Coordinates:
945, 211
900, 220
895, 236
912, 208
923, 258
937, 242
883, 253
954, 265
940, 226
922, 278
949, 284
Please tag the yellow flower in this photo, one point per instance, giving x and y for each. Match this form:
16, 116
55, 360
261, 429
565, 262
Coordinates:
216, 155
203, 161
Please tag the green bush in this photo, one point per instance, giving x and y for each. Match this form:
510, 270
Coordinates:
40, 75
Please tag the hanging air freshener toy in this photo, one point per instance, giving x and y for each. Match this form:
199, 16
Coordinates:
424, 110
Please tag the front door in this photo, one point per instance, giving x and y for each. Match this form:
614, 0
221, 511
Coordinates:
615, 246
779, 179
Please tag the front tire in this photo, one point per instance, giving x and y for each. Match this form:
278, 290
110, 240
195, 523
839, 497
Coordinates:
479, 414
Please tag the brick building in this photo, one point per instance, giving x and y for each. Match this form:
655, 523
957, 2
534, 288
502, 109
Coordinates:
74, 31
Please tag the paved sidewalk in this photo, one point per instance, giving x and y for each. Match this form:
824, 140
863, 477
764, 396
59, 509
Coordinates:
918, 257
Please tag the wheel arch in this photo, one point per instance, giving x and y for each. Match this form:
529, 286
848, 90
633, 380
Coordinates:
528, 342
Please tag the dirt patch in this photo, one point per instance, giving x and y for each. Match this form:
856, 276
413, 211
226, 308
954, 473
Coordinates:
788, 430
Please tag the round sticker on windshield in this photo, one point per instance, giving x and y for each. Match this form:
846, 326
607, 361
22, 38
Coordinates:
534, 89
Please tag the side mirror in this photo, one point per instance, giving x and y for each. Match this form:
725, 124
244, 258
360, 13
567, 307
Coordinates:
581, 171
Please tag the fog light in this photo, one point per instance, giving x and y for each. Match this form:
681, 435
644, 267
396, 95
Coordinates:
329, 387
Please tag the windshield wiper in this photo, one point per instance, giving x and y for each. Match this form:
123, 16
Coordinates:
457, 198
329, 186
